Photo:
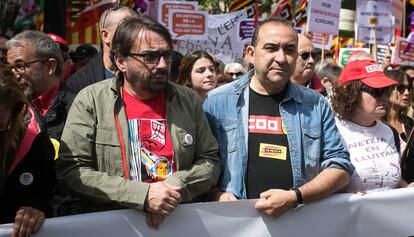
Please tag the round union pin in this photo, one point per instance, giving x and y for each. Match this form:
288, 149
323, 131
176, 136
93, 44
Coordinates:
26, 178
188, 139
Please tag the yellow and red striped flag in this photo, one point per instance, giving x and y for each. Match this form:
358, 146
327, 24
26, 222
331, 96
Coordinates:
239, 4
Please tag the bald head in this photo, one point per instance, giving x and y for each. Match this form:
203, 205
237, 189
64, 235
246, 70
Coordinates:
111, 17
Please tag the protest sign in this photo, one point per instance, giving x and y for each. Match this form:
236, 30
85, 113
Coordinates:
188, 25
165, 6
245, 30
223, 40
317, 40
345, 52
374, 13
398, 13
404, 52
383, 35
323, 16
382, 52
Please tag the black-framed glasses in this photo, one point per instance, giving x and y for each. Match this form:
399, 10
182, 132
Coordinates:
115, 7
401, 88
153, 57
375, 92
305, 55
21, 66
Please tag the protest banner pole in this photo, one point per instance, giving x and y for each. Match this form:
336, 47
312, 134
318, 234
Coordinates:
404, 20
323, 49
338, 45
374, 45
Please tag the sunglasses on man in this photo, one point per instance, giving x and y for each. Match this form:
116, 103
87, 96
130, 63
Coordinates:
305, 55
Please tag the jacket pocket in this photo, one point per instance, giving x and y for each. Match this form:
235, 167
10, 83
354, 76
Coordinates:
312, 150
227, 136
108, 151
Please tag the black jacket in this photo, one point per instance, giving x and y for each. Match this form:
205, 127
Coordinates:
55, 118
32, 182
87, 75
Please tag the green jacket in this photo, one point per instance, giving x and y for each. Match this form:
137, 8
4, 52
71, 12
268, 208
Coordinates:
90, 161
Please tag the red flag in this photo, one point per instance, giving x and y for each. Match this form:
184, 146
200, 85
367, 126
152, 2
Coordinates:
239, 4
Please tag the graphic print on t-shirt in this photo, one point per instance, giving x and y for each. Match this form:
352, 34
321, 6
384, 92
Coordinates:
150, 143
147, 146
269, 164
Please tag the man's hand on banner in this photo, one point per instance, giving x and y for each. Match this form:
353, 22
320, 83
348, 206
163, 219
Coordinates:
275, 202
154, 219
162, 198
28, 221
225, 197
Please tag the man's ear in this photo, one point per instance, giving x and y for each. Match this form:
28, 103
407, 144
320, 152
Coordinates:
51, 66
250, 53
105, 35
120, 62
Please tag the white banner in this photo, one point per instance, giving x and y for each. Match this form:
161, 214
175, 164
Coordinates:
323, 16
223, 40
374, 13
381, 214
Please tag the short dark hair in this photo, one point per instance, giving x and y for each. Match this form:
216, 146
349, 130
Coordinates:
277, 20
187, 63
129, 30
346, 99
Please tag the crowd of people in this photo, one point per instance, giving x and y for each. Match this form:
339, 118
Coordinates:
137, 125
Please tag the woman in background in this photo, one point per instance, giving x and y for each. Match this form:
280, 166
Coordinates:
399, 103
198, 71
399, 99
27, 174
359, 102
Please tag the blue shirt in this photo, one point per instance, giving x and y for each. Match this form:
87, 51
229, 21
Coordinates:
314, 141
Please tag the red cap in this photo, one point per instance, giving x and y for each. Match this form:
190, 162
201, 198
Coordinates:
62, 43
368, 72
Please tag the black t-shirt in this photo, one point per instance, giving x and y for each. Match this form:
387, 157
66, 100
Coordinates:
268, 165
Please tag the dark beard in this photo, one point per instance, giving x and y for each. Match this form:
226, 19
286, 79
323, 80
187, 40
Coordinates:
152, 84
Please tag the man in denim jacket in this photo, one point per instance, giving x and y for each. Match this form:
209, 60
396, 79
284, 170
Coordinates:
277, 141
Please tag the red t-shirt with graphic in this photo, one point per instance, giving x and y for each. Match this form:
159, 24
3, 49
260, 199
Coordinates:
151, 149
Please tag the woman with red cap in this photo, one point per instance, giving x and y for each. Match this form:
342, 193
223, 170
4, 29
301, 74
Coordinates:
360, 101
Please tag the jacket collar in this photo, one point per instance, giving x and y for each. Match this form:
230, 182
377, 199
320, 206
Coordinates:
292, 91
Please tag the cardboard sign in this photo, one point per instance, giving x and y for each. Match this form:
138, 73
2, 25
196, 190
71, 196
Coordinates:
317, 40
383, 35
165, 6
345, 52
404, 52
324, 16
188, 25
374, 13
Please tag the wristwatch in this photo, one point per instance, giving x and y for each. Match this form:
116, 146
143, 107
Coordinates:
299, 199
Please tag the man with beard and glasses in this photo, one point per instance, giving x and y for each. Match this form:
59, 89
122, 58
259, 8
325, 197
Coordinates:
305, 65
138, 140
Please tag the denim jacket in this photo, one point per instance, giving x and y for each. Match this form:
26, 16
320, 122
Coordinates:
314, 142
